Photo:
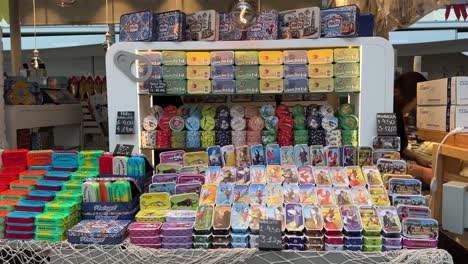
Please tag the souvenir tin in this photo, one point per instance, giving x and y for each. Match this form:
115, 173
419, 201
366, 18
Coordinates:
227, 29
420, 228
240, 238
271, 86
246, 72
258, 174
222, 217
294, 217
308, 194
343, 196
196, 158
313, 221
367, 248
290, 174
349, 84
223, 86
388, 176
203, 25
355, 176
404, 186
320, 71
351, 220
167, 187
204, 219
188, 188
297, 57
265, 27
198, 58
271, 71
240, 218
391, 166
221, 239
257, 194
198, 86
360, 196
306, 175
144, 229
300, 23
385, 154
340, 21
372, 240
212, 174
392, 241
273, 154
175, 156
349, 155
332, 220
287, 155
195, 169
177, 229
176, 245
338, 176
365, 156
257, 213
202, 238
154, 201
243, 175
322, 176
241, 194
347, 69
320, 56
224, 195
317, 240
243, 156
386, 143
326, 196
188, 201
208, 194
165, 178
372, 175
228, 174
246, 57
221, 245
370, 220
317, 156
390, 221
347, 54
171, 26
214, 156
222, 57
145, 240
277, 212
177, 240
390, 248
174, 72
415, 200
190, 178
293, 239
163, 168
420, 243
333, 156
413, 211
274, 194
139, 26
302, 155
291, 193
334, 240
274, 174
379, 196
103, 232
353, 241
228, 155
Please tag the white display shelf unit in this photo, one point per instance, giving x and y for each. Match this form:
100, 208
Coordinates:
376, 95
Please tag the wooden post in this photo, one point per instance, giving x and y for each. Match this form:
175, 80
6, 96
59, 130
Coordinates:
15, 38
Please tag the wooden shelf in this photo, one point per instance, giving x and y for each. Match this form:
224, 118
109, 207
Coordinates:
459, 140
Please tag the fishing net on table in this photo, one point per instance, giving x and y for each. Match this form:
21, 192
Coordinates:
64, 252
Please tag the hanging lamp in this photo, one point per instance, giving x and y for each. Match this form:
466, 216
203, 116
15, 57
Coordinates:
108, 41
243, 14
35, 60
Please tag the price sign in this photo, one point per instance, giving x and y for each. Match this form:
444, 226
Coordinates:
386, 124
123, 150
125, 122
270, 235
157, 86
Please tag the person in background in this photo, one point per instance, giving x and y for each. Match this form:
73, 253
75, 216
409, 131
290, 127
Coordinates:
405, 109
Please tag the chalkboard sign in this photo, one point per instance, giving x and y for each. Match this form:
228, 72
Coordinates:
125, 122
386, 124
157, 86
123, 150
270, 235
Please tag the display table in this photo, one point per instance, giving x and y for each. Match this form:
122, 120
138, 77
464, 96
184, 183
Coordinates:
24, 252
35, 116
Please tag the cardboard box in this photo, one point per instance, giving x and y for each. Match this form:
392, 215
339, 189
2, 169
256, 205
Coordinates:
440, 118
436, 92
453, 214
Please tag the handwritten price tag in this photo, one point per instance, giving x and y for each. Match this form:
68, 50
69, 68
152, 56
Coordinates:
386, 124
270, 235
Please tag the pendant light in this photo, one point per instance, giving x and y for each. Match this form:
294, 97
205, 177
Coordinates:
108, 41
65, 3
35, 60
243, 14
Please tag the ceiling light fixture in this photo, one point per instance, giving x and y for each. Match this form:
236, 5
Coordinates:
65, 3
35, 60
